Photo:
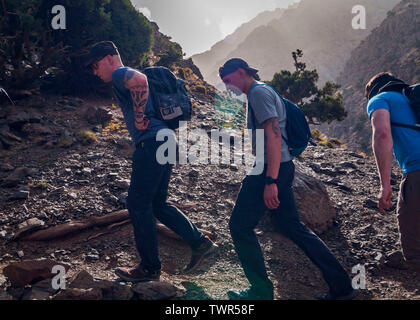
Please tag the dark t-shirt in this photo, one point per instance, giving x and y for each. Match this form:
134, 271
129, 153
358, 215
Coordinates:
124, 100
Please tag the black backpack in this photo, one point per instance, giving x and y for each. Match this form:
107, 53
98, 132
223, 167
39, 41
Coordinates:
297, 128
412, 93
171, 102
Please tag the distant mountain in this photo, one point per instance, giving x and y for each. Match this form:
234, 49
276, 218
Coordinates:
321, 28
208, 60
393, 46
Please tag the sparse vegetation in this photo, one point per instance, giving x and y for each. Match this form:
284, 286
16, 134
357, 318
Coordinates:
200, 89
86, 137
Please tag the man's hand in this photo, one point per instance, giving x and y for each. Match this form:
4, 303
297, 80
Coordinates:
271, 199
384, 198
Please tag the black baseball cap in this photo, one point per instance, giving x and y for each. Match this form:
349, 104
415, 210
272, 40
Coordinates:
99, 51
234, 64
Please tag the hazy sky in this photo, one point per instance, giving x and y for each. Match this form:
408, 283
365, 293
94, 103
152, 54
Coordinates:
198, 24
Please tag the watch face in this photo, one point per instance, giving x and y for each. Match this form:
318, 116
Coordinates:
269, 180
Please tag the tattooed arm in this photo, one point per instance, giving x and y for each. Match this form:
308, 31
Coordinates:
136, 82
273, 135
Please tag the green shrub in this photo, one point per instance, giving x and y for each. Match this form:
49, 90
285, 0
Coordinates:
60, 52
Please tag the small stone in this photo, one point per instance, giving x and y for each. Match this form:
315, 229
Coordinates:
72, 195
234, 167
370, 204
29, 225
20, 254
122, 184
396, 260
112, 175
87, 170
19, 195
92, 257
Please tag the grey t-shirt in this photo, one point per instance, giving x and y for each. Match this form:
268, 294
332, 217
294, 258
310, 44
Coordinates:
266, 104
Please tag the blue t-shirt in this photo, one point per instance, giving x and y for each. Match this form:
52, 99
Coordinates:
124, 100
406, 141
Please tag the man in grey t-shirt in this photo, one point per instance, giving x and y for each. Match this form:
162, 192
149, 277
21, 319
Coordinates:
272, 189
267, 104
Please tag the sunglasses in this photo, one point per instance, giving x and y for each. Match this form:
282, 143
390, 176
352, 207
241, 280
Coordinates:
95, 66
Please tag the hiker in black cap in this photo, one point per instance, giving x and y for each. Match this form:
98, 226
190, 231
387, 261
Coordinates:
272, 190
148, 189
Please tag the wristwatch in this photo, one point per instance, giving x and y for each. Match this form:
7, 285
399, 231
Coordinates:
270, 180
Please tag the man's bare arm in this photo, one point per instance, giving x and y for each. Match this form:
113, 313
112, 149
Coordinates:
136, 82
382, 145
273, 135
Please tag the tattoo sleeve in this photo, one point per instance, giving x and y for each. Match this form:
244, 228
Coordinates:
274, 123
139, 94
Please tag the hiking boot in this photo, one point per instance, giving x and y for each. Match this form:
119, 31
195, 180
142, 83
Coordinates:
199, 255
137, 274
250, 294
348, 296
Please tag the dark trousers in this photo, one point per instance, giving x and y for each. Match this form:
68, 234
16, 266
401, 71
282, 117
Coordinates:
147, 200
409, 218
249, 209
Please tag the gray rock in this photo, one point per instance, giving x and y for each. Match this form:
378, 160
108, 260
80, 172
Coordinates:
370, 204
92, 257
395, 260
315, 206
122, 184
157, 290
16, 121
29, 225
25, 272
36, 129
97, 115
316, 167
19, 195
17, 175
112, 175
84, 287
347, 164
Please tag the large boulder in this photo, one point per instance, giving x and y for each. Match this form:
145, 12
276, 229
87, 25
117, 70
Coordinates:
30, 271
14, 178
84, 287
315, 207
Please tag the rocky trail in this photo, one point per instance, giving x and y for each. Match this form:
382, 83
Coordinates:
53, 171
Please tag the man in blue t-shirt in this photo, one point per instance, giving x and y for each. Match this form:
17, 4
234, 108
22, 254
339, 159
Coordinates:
148, 189
386, 110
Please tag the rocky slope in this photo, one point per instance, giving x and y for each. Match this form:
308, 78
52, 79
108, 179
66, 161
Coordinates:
321, 28
393, 46
55, 171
